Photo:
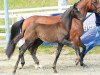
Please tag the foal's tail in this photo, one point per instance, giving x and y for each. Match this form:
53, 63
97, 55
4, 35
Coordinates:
15, 30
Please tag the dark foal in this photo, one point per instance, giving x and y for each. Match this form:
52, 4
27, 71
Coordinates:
49, 32
84, 6
77, 26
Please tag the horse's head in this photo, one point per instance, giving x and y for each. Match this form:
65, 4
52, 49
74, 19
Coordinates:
89, 5
96, 5
75, 12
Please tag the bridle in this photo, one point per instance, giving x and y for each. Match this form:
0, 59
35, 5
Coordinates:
94, 4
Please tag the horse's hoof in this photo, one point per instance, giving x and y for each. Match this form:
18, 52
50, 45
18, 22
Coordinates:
14, 72
55, 71
84, 65
38, 66
20, 67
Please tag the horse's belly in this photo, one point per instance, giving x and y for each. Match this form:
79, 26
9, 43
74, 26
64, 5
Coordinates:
47, 37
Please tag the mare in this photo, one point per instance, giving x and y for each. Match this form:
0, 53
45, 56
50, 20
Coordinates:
83, 5
58, 31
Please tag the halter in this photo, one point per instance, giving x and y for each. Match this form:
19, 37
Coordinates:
94, 4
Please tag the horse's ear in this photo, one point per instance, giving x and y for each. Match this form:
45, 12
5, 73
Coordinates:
75, 5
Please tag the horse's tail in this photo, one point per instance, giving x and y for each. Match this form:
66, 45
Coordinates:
15, 30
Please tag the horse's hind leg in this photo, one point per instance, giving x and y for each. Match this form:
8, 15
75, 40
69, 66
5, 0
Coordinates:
33, 50
22, 51
59, 48
22, 60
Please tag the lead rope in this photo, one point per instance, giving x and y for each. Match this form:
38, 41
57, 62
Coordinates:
87, 17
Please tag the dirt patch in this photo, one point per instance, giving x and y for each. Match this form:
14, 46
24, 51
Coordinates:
65, 66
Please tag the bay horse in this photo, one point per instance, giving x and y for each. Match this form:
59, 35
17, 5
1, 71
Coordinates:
55, 32
84, 6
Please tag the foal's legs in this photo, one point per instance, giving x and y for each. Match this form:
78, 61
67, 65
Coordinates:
33, 50
23, 48
59, 48
22, 60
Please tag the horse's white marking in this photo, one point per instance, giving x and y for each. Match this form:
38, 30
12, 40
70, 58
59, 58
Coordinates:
21, 42
37, 66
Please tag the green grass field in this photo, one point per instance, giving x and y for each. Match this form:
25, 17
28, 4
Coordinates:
51, 50
18, 4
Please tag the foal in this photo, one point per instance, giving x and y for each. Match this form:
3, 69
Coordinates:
49, 32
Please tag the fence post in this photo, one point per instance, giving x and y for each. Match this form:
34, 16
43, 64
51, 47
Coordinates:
6, 20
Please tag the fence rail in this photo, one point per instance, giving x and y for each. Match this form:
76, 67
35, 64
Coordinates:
36, 9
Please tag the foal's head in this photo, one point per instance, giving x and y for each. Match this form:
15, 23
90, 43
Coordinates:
75, 12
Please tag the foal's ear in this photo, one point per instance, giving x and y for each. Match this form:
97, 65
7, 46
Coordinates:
75, 5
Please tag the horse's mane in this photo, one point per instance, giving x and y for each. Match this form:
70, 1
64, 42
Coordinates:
66, 13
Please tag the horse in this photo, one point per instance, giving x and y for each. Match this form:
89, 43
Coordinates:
58, 31
84, 6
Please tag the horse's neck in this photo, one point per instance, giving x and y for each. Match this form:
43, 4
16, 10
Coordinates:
83, 8
67, 21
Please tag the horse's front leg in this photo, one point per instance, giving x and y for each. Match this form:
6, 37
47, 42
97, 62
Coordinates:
82, 53
77, 50
33, 53
59, 48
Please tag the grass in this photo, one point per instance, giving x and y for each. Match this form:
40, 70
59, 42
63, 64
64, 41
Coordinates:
18, 4
51, 50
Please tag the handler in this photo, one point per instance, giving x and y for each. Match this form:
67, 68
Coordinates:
96, 36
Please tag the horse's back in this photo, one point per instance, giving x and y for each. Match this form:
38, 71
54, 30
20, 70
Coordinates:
48, 20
